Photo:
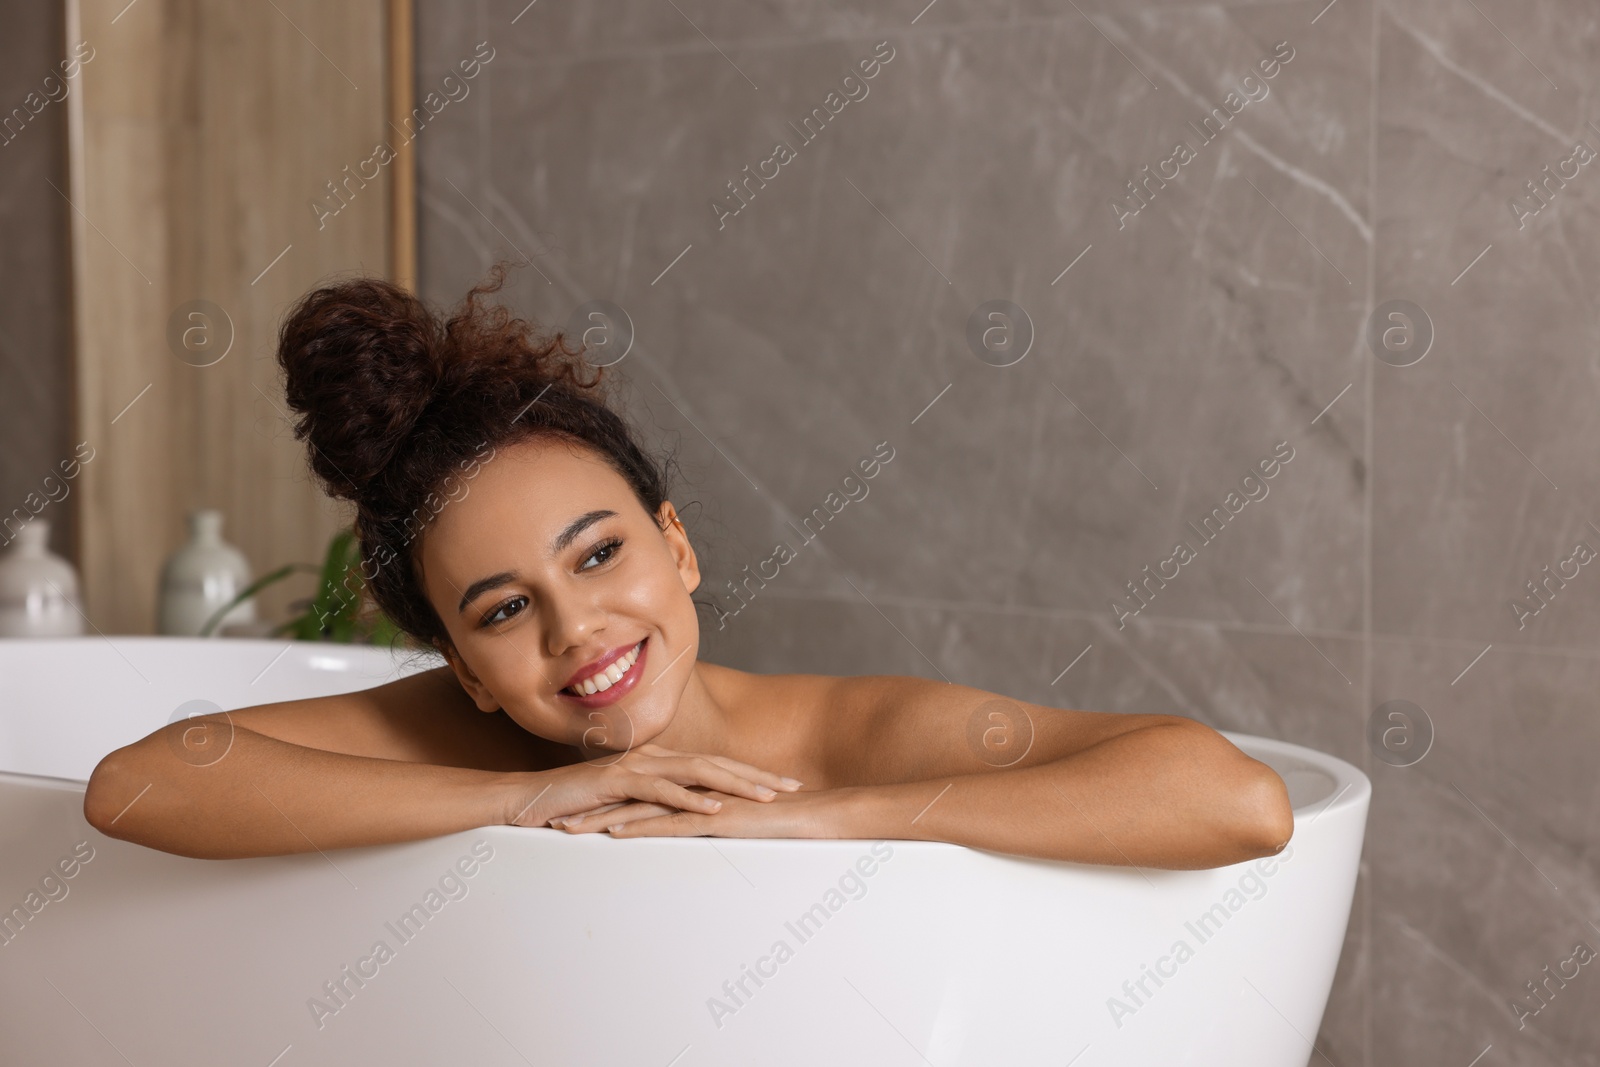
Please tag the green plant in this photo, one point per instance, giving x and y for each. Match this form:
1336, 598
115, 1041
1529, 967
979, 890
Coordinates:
334, 612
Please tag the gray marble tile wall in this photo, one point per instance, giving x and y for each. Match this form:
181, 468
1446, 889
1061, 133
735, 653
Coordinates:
1186, 314
35, 305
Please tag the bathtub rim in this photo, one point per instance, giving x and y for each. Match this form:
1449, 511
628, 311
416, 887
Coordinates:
1351, 785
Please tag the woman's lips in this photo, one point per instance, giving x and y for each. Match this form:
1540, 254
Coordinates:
623, 687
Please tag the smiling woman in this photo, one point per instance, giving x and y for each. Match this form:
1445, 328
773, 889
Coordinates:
559, 593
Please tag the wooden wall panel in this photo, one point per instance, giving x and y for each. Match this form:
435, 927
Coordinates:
203, 135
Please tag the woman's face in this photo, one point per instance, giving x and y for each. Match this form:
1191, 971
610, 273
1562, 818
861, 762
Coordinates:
549, 564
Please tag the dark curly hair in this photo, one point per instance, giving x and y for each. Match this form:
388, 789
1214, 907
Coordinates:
395, 400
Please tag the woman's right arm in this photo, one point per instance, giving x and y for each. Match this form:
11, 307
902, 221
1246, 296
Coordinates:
411, 759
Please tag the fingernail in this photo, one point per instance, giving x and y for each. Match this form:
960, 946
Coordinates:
562, 822
792, 783
614, 829
715, 805
765, 791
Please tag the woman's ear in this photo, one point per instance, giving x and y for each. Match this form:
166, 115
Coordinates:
678, 543
469, 681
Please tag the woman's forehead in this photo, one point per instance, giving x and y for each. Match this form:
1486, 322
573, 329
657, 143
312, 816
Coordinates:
518, 499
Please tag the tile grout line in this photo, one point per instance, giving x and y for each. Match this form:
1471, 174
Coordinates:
802, 40
1374, 37
1226, 625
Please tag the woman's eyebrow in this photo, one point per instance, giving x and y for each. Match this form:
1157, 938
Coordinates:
576, 527
483, 585
568, 535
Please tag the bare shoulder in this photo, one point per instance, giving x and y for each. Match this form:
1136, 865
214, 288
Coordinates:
902, 728
422, 718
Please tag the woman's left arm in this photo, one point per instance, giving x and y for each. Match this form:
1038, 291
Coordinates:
1174, 794
1131, 790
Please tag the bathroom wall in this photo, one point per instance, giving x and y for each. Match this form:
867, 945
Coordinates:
1236, 312
206, 139
35, 306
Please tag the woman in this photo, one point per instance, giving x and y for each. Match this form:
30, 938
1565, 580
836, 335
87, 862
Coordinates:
509, 519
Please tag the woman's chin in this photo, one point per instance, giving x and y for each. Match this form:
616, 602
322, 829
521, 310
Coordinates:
615, 729
636, 719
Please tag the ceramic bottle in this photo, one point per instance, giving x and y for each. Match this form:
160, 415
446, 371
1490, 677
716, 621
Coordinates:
38, 589
200, 578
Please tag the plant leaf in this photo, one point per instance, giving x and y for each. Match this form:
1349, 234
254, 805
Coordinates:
250, 591
336, 595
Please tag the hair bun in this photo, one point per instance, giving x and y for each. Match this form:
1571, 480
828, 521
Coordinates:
362, 359
394, 399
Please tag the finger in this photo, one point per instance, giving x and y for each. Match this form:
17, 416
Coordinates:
707, 771
669, 793
645, 781
770, 778
676, 824
603, 817
591, 811
744, 770
595, 822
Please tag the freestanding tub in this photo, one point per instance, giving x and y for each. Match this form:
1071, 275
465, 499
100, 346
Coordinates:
505, 945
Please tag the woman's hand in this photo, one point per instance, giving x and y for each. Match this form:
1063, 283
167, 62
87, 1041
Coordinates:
809, 814
650, 774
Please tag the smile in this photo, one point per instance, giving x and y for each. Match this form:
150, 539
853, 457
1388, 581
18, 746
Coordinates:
612, 683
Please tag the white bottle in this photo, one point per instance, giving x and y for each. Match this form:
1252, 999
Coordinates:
38, 589
200, 578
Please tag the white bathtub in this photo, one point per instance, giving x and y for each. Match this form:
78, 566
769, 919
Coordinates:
536, 947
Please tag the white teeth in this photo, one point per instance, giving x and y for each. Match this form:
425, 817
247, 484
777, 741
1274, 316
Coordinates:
599, 683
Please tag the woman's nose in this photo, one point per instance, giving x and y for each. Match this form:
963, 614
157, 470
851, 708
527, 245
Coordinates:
572, 622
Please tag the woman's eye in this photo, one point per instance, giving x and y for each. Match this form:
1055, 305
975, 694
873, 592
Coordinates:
603, 552
505, 611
